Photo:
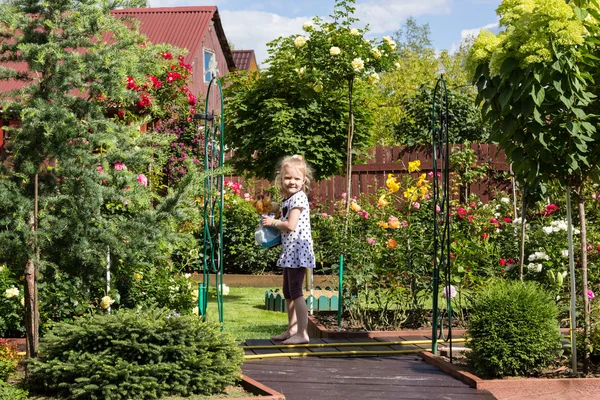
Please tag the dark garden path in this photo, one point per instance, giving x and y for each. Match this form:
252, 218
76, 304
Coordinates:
334, 377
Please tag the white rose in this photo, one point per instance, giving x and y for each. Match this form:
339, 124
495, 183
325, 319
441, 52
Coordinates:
224, 289
300, 41
307, 26
505, 200
354, 32
376, 53
334, 51
373, 78
12, 292
357, 64
106, 302
548, 230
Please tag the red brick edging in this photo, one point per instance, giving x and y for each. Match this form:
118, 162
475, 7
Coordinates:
520, 388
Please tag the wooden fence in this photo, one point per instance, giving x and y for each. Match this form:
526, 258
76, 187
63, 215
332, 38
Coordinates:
368, 177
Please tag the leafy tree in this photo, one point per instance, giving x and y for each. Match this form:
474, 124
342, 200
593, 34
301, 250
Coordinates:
537, 81
74, 182
414, 126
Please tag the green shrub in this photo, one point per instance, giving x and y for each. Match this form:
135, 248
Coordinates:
130, 355
10, 392
513, 329
11, 307
8, 359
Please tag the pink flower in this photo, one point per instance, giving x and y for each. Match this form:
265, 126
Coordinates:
343, 195
126, 202
430, 174
472, 204
452, 291
437, 208
404, 223
507, 220
247, 196
100, 169
371, 241
485, 235
590, 294
120, 166
142, 179
416, 205
324, 215
502, 262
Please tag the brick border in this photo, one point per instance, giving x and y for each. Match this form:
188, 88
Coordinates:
318, 331
258, 389
519, 388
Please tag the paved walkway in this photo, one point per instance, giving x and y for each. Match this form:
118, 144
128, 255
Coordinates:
343, 376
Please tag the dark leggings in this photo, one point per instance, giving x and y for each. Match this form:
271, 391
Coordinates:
292, 282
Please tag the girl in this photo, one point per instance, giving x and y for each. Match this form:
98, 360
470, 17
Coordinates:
297, 253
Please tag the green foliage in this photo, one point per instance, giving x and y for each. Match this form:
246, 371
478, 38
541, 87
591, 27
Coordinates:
8, 391
300, 104
512, 329
240, 252
414, 126
537, 85
11, 308
129, 354
8, 359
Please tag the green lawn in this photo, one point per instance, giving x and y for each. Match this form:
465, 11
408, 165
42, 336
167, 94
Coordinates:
245, 316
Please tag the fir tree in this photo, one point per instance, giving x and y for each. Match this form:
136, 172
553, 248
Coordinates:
72, 183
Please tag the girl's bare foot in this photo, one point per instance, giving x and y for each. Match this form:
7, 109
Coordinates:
296, 339
282, 336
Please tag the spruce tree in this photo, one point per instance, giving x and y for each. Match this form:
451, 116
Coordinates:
72, 181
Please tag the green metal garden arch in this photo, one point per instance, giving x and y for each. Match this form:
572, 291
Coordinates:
214, 192
440, 119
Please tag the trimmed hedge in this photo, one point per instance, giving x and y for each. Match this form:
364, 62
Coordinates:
513, 329
136, 355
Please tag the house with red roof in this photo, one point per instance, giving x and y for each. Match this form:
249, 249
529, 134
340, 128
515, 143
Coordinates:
245, 60
197, 29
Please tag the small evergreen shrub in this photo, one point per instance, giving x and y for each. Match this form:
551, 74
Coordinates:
513, 329
131, 355
11, 392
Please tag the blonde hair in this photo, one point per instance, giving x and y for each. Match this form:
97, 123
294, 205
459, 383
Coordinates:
301, 165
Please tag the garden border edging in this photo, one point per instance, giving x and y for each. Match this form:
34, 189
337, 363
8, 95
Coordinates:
259, 389
519, 388
317, 330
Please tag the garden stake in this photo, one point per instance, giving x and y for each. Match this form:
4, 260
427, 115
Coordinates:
340, 291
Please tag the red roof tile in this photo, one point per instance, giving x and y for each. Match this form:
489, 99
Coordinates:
243, 59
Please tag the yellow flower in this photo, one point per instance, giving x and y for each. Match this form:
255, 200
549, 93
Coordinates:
393, 222
373, 78
423, 191
382, 201
12, 292
137, 276
414, 166
392, 184
383, 224
411, 193
421, 179
106, 302
376, 53
354, 205
392, 244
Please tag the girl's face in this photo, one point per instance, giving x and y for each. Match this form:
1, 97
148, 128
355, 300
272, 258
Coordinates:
293, 180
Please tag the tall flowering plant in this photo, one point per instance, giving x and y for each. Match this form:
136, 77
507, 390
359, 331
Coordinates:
335, 53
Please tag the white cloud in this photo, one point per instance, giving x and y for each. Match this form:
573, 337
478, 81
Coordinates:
252, 30
385, 15
465, 33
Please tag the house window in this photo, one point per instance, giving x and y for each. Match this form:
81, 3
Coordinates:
208, 56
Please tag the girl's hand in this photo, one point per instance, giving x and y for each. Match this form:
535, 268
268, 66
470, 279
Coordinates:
267, 221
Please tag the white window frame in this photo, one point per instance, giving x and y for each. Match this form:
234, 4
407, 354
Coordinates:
204, 64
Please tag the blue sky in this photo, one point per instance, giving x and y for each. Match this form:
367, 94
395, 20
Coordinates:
251, 24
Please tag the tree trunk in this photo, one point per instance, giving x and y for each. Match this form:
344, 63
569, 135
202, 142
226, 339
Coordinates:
586, 304
349, 152
32, 315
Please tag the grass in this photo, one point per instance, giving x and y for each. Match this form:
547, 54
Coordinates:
245, 316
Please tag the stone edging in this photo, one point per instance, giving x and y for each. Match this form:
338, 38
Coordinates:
520, 388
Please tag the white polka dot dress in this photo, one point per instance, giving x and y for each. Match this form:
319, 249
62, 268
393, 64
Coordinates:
297, 245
